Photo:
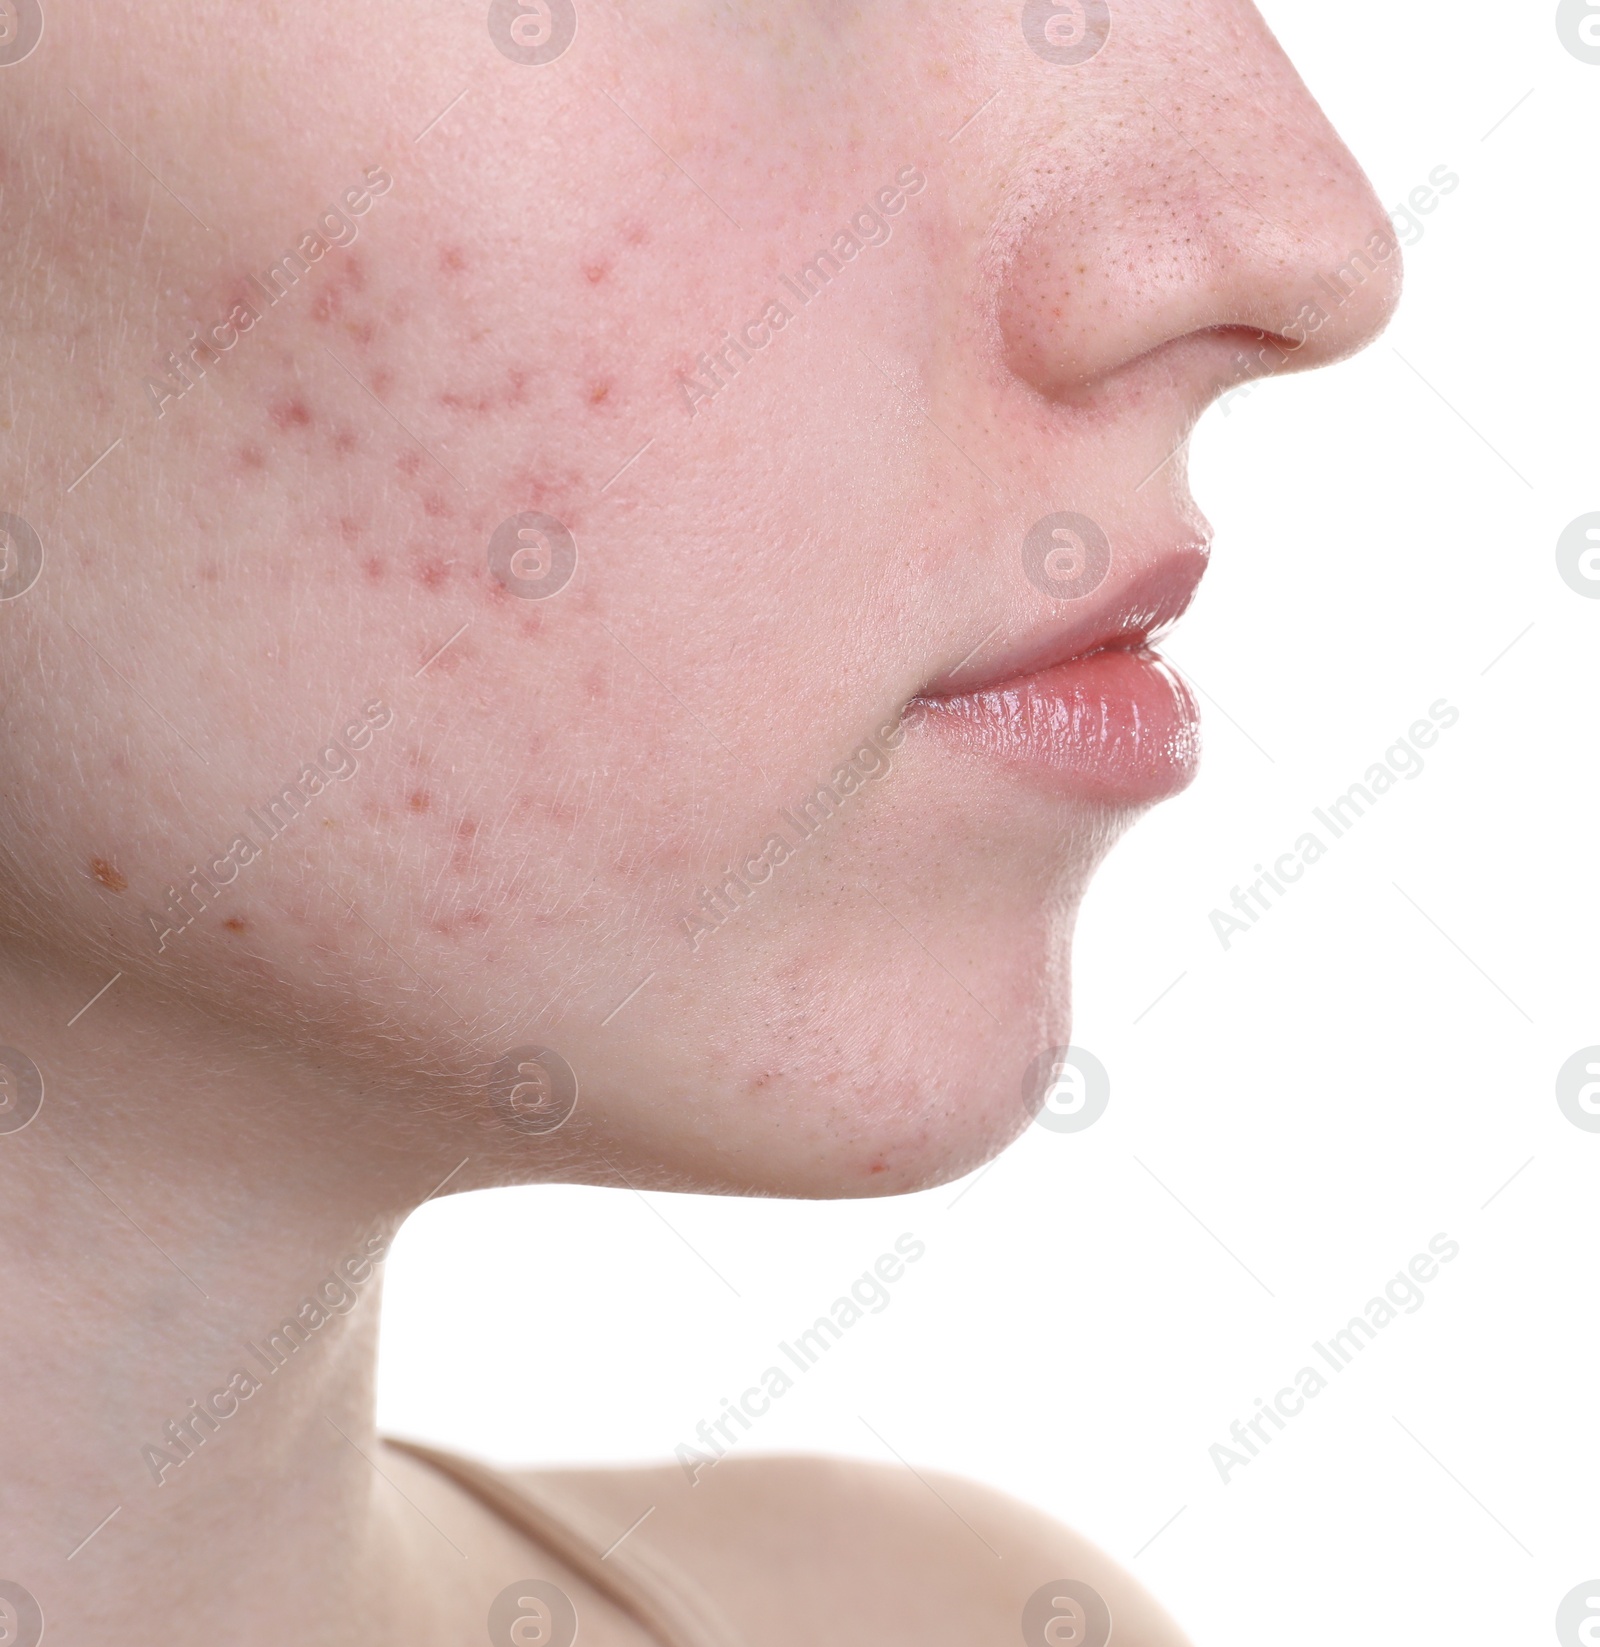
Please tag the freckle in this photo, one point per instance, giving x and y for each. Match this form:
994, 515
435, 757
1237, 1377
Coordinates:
210, 573
467, 829
344, 442
451, 258
879, 1166
234, 924
291, 414
419, 800
599, 394
251, 457
349, 528
363, 331
108, 875
637, 236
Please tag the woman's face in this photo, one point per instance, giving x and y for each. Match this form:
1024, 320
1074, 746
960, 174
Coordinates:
539, 490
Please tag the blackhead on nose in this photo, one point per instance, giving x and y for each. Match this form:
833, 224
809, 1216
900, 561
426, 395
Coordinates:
1199, 194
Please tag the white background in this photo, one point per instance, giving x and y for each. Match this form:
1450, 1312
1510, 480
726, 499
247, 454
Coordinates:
1365, 1068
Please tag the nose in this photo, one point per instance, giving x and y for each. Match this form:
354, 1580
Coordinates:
1220, 206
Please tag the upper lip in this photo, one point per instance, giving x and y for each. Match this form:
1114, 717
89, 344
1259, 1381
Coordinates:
1126, 613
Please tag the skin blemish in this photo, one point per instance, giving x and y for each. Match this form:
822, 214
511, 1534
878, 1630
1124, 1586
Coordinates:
408, 463
108, 875
374, 569
419, 800
436, 507
382, 381
252, 457
344, 442
433, 574
291, 414
349, 528
599, 394
452, 260
594, 273
235, 923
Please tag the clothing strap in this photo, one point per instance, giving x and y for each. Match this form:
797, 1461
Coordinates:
638, 1579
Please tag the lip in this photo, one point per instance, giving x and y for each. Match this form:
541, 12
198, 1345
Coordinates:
1084, 704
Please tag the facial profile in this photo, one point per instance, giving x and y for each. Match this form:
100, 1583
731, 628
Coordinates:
816, 742
578, 602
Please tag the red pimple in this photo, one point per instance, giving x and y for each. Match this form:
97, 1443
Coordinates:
291, 414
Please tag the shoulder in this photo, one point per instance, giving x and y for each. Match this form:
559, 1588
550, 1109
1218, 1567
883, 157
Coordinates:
796, 1549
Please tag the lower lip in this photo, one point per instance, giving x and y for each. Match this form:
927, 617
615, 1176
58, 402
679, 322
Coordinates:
1117, 725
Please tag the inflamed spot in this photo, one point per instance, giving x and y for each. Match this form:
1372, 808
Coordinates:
291, 414
108, 875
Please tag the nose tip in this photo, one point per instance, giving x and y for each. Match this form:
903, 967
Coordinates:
1257, 220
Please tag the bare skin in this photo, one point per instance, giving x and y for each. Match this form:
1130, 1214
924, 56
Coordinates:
268, 553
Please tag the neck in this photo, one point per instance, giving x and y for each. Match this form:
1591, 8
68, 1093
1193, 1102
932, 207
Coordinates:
190, 1257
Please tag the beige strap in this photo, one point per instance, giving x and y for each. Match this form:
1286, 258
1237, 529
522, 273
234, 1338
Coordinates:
644, 1585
